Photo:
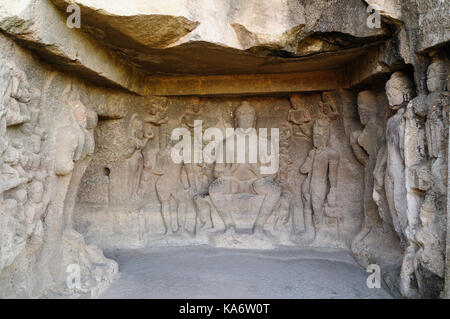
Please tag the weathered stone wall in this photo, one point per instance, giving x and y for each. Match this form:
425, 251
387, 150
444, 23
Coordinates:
86, 115
116, 215
36, 244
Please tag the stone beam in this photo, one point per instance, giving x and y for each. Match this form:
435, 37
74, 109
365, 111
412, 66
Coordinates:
255, 84
366, 69
39, 26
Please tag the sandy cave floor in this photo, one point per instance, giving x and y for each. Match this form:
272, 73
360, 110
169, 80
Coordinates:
210, 273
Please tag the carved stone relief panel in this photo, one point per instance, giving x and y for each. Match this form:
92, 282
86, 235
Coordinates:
426, 157
141, 197
23, 173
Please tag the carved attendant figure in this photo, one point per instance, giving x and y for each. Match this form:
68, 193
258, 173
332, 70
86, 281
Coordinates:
300, 115
431, 232
35, 209
437, 117
139, 133
365, 145
170, 186
321, 166
199, 174
398, 186
75, 145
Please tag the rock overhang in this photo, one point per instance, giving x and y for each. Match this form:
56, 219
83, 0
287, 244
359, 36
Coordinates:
134, 46
244, 37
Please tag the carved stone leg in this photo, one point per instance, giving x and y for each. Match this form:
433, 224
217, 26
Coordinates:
318, 199
203, 210
165, 211
272, 191
310, 231
181, 213
135, 168
69, 203
217, 191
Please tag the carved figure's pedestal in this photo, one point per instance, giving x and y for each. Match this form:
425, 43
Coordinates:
244, 210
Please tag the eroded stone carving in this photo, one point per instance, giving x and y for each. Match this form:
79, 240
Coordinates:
399, 92
301, 116
75, 145
170, 187
17, 95
23, 197
11, 240
329, 106
199, 175
368, 147
139, 134
242, 178
319, 187
47, 153
365, 144
428, 257
35, 210
285, 158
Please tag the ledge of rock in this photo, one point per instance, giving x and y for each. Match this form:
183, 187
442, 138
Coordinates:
180, 38
39, 26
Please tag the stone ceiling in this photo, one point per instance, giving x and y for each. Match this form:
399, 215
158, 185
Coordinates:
130, 44
181, 37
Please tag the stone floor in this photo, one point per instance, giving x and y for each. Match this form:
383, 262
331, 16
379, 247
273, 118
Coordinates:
206, 272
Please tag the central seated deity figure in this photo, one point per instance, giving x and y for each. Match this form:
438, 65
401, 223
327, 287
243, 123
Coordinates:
243, 176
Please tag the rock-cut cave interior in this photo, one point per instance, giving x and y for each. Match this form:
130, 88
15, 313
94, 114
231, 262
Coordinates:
119, 149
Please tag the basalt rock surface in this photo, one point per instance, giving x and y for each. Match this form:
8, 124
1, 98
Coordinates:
350, 97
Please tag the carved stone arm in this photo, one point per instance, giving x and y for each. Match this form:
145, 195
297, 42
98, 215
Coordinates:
359, 152
307, 164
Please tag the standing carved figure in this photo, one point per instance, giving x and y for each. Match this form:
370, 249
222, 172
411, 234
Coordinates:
319, 188
365, 144
36, 208
74, 148
155, 119
430, 236
402, 144
199, 174
194, 121
437, 121
138, 133
170, 187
